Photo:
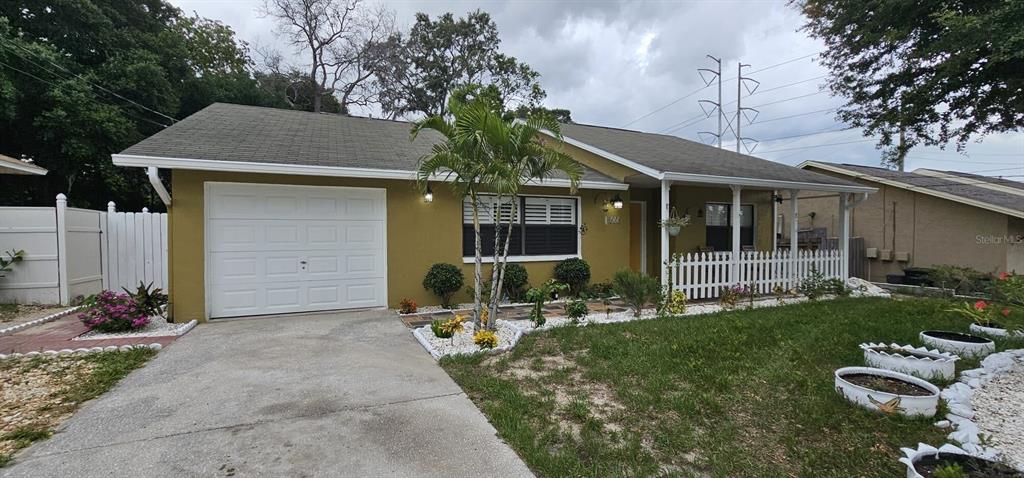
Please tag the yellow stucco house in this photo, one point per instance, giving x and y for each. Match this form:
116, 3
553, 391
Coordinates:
277, 211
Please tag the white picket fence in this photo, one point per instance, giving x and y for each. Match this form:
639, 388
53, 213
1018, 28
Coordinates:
72, 252
703, 275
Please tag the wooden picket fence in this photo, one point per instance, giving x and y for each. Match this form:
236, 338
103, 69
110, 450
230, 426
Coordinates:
136, 249
703, 275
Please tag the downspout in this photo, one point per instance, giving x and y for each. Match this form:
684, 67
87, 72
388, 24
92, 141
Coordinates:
154, 179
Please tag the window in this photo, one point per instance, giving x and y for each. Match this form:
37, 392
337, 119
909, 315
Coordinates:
542, 226
718, 233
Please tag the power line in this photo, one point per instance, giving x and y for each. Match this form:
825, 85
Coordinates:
817, 145
790, 99
787, 85
794, 116
769, 67
824, 131
79, 77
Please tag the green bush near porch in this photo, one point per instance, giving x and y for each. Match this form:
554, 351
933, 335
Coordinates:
739, 393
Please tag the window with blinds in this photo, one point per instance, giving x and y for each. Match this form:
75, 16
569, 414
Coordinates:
540, 225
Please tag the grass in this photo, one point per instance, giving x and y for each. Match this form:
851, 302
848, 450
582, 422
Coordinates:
104, 370
740, 393
7, 312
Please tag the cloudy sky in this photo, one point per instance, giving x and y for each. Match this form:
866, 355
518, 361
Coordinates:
634, 64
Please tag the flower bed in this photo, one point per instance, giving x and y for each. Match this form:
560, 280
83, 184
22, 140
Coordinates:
157, 327
461, 343
917, 361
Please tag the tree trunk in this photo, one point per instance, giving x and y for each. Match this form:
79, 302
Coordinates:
499, 284
478, 262
495, 267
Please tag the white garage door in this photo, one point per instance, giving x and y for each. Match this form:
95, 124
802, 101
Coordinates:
273, 249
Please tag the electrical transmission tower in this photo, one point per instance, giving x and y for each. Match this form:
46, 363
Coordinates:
741, 112
714, 75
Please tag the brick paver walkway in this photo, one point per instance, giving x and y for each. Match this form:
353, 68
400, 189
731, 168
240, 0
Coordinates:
57, 335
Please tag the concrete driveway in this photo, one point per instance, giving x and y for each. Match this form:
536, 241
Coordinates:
340, 394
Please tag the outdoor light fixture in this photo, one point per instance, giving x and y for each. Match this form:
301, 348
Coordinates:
617, 202
429, 195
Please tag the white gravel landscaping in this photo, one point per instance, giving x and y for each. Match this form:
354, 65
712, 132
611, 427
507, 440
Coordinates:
462, 342
157, 327
999, 414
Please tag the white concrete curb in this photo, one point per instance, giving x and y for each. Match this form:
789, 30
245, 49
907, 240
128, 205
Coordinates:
958, 397
109, 348
41, 321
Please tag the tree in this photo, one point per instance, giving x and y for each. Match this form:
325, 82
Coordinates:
559, 114
341, 38
923, 72
419, 71
485, 152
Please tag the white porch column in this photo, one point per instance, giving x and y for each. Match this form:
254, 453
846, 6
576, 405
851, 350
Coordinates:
844, 234
666, 206
734, 222
794, 230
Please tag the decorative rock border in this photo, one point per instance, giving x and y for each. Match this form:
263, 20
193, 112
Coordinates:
958, 397
422, 339
911, 456
934, 365
178, 332
911, 405
109, 348
40, 321
965, 349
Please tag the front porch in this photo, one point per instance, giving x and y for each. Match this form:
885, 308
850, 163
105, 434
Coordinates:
735, 236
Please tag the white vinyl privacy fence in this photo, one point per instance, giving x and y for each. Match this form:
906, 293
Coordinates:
703, 275
72, 252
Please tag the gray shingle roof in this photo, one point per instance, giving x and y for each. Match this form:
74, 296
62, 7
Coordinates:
673, 154
228, 132
988, 179
967, 191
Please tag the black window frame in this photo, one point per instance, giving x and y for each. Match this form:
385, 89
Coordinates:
529, 240
713, 235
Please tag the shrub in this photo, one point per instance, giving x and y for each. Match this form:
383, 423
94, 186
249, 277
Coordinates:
149, 300
485, 292
540, 295
113, 312
486, 339
515, 282
407, 306
729, 297
949, 470
600, 290
636, 289
674, 303
573, 272
959, 280
576, 310
445, 329
444, 280
12, 257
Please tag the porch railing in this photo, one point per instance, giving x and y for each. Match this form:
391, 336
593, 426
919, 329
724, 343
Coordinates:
702, 275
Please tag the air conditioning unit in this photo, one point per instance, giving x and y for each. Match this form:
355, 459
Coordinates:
902, 256
885, 254
871, 253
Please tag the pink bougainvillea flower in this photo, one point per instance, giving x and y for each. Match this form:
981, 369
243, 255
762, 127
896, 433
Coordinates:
980, 305
1005, 312
1003, 276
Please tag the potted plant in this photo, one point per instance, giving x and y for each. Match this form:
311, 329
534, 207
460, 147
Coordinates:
675, 223
950, 461
887, 391
964, 345
1000, 317
916, 361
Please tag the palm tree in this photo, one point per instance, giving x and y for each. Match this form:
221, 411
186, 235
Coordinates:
521, 156
462, 160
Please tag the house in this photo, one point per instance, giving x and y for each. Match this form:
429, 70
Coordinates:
9, 165
276, 211
925, 218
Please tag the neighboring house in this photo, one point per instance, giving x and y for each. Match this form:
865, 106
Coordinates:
277, 211
925, 218
9, 165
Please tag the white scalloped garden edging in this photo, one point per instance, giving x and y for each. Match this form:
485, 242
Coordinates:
958, 398
40, 321
961, 348
994, 331
176, 331
935, 364
90, 350
910, 405
911, 456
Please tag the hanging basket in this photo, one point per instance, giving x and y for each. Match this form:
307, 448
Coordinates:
673, 229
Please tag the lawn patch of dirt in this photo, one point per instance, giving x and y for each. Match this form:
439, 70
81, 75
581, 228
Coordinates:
37, 394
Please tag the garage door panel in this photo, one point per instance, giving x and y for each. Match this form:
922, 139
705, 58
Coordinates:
277, 249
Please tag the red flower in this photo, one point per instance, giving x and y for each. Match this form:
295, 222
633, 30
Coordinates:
980, 305
1003, 276
1005, 312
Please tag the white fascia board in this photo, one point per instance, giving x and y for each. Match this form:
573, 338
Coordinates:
608, 155
973, 182
20, 167
309, 170
917, 189
767, 183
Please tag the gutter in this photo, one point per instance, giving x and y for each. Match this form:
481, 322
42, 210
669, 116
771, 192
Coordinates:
154, 179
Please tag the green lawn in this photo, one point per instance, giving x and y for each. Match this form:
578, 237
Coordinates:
742, 393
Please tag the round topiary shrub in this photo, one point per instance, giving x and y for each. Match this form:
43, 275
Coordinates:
573, 272
515, 282
444, 280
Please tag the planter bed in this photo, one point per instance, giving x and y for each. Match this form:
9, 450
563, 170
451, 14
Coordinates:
965, 345
916, 361
157, 327
923, 461
995, 330
887, 391
462, 342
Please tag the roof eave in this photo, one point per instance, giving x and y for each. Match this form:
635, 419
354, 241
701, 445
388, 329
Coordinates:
767, 183
312, 170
